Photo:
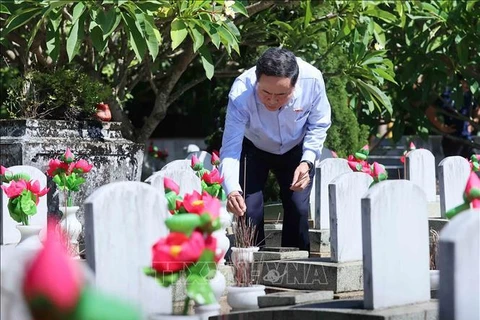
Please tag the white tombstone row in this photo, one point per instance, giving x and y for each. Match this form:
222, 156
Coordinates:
122, 222
453, 174
459, 264
9, 233
420, 169
177, 164
326, 171
186, 179
395, 245
346, 192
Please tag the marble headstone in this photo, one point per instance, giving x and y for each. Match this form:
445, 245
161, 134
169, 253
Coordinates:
9, 232
178, 164
186, 179
453, 174
326, 171
459, 263
395, 245
346, 192
420, 169
122, 222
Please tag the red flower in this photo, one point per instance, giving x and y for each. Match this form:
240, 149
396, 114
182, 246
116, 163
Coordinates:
200, 204
170, 185
2, 170
15, 188
83, 166
55, 165
212, 177
52, 276
35, 189
177, 251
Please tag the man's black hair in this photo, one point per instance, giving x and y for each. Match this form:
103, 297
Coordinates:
278, 62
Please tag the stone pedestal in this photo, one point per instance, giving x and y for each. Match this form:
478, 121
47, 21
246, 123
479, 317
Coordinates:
35, 142
319, 240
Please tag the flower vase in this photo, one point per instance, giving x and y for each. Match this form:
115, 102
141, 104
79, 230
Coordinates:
223, 243
29, 237
242, 260
206, 311
72, 227
244, 298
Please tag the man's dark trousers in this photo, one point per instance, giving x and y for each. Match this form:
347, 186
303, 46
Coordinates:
295, 204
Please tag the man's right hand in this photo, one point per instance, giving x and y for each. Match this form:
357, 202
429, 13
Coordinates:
236, 203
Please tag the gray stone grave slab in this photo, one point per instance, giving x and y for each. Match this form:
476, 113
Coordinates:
325, 172
420, 169
459, 262
319, 240
282, 255
204, 157
345, 194
9, 233
122, 222
293, 298
453, 174
312, 274
186, 179
395, 264
279, 249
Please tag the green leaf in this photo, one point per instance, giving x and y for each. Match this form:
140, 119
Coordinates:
199, 290
385, 75
184, 223
379, 98
167, 279
19, 19
205, 266
136, 37
76, 36
238, 7
381, 14
153, 36
77, 11
198, 37
178, 32
207, 61
210, 30
308, 13
52, 41
96, 34
111, 22
4, 9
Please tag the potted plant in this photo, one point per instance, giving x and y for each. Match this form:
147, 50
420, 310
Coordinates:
23, 196
243, 295
68, 175
189, 250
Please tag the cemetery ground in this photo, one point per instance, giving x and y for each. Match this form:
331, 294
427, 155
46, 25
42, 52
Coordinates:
371, 246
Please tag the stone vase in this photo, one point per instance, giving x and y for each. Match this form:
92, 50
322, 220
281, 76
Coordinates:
244, 298
29, 237
72, 227
242, 260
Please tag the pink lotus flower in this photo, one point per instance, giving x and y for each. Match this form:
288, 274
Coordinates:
55, 165
83, 166
177, 251
412, 146
2, 170
200, 204
212, 177
52, 276
15, 188
170, 185
472, 190
215, 159
35, 189
196, 164
68, 156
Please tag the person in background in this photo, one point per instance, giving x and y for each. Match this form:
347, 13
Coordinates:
453, 124
277, 119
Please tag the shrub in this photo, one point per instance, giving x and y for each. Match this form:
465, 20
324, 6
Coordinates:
61, 95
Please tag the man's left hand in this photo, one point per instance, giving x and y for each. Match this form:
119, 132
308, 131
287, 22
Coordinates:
301, 177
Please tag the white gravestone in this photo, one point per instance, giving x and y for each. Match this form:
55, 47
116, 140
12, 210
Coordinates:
178, 164
346, 192
9, 232
453, 174
325, 172
204, 157
186, 179
122, 222
395, 245
459, 264
420, 169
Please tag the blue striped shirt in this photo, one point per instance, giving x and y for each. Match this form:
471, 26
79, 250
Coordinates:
305, 117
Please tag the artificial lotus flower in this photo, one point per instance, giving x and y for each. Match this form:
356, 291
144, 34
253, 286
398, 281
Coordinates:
15, 188
196, 164
358, 165
2, 170
215, 159
68, 156
378, 173
170, 185
36, 189
82, 166
177, 251
475, 162
405, 153
202, 203
212, 177
363, 153
52, 283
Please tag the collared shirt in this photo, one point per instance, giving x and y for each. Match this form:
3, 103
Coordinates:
305, 117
